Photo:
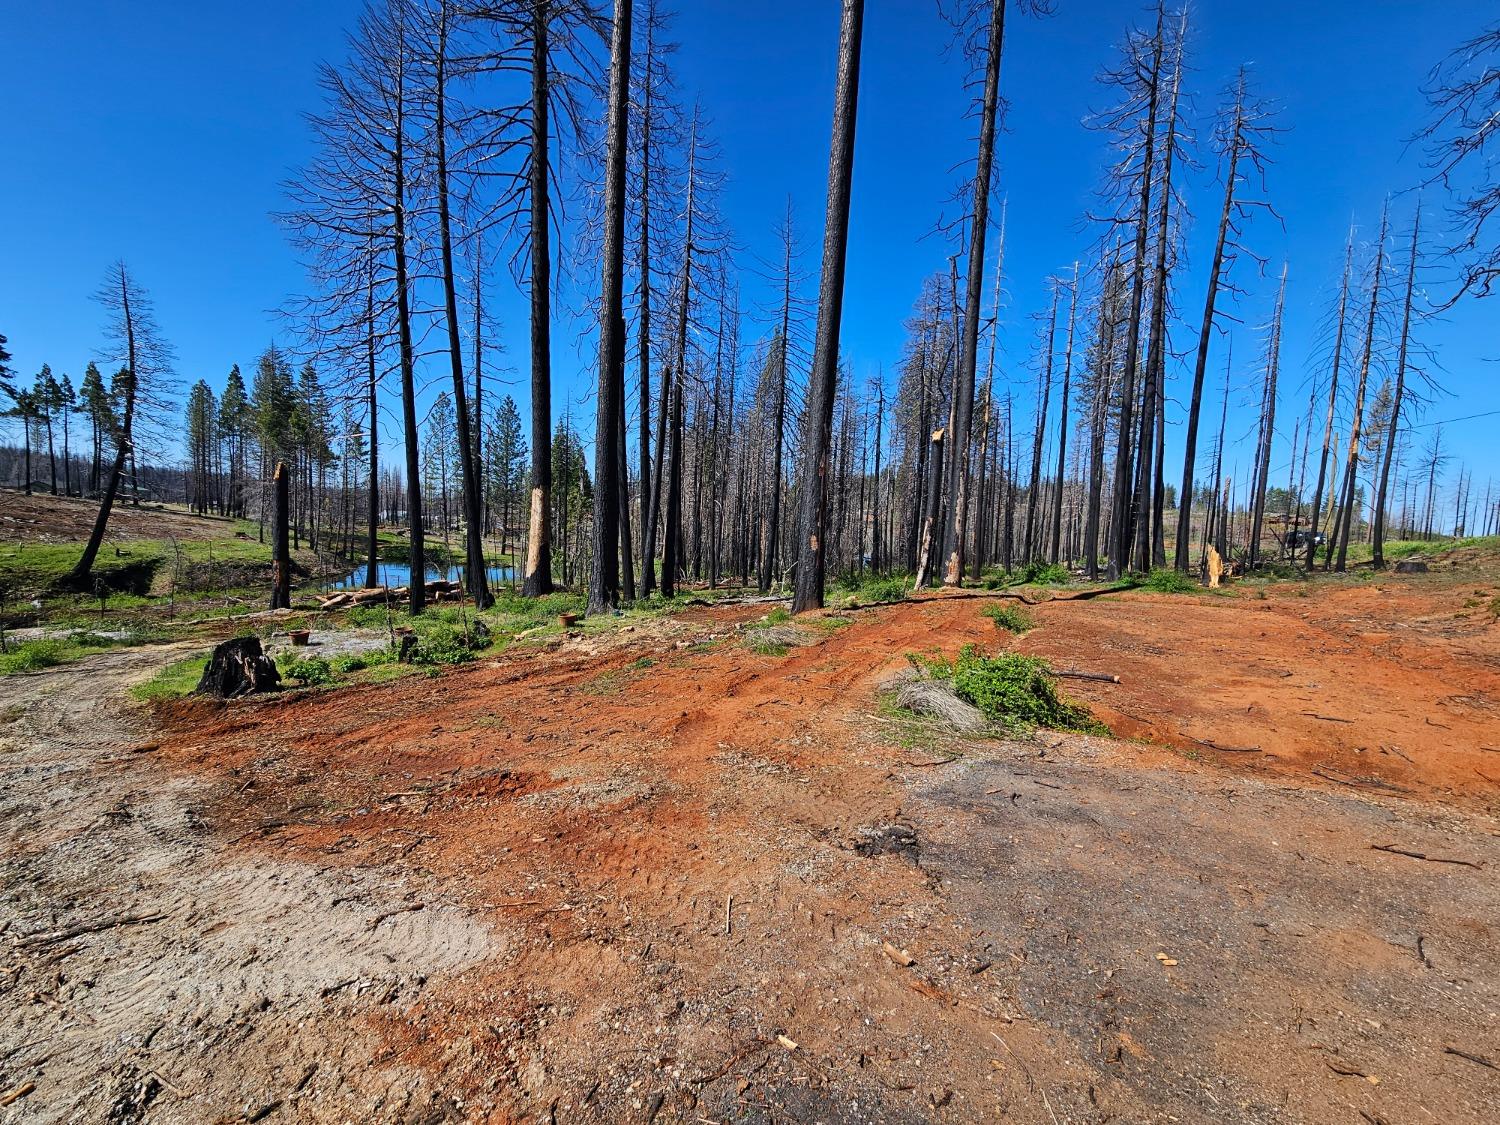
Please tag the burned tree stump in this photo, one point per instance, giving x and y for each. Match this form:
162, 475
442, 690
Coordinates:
281, 552
238, 667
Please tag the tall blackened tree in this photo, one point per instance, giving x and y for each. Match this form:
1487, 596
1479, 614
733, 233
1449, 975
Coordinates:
823, 383
1398, 399
1239, 134
604, 579
993, 38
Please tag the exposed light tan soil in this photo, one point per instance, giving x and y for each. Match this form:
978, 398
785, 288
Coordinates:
641, 879
44, 518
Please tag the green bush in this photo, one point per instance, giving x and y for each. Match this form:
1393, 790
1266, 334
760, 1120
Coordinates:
1169, 581
359, 661
1012, 689
880, 591
1045, 574
443, 644
33, 656
779, 616
1011, 618
312, 672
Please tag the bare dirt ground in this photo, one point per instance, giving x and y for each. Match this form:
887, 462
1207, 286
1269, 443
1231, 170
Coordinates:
43, 518
645, 878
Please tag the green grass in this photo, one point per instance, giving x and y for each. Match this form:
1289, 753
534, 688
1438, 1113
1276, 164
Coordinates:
868, 589
1167, 580
172, 682
1011, 618
1008, 688
35, 655
312, 672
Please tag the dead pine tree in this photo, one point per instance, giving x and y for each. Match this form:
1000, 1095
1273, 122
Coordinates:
993, 38
1464, 93
475, 578
1399, 397
1138, 78
1238, 137
1343, 527
822, 386
604, 576
1033, 493
1054, 554
1267, 430
1324, 475
1147, 502
537, 576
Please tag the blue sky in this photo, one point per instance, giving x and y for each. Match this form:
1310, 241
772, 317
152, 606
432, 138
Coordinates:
160, 133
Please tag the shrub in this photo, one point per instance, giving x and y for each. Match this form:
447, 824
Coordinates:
1169, 581
444, 644
879, 591
33, 656
1011, 618
779, 616
1011, 688
359, 661
312, 672
1045, 574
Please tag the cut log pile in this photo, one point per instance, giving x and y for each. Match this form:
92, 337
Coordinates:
439, 591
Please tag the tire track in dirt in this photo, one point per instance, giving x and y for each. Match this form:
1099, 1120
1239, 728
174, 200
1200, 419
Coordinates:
147, 972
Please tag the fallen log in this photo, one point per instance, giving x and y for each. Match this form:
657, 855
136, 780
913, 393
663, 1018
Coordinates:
1073, 674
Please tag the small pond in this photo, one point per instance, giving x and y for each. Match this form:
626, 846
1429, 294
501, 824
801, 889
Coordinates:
399, 574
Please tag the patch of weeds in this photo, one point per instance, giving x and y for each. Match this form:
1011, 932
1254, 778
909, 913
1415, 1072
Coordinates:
312, 672
766, 648
1045, 574
872, 590
641, 663
913, 731
445, 645
383, 673
49, 652
352, 662
1169, 581
174, 681
1011, 618
33, 656
831, 623
780, 615
1011, 688
1494, 609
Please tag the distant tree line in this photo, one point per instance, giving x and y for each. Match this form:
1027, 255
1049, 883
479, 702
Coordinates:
458, 144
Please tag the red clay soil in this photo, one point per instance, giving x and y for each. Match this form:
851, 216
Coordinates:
706, 867
1391, 685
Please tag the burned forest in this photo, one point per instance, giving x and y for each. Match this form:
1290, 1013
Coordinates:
831, 562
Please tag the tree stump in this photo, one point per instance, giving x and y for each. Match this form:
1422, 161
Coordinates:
1411, 566
238, 667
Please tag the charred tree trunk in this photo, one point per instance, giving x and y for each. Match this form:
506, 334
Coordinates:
604, 578
1378, 545
538, 572
963, 413
281, 551
824, 378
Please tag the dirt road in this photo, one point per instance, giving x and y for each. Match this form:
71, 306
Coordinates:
683, 881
